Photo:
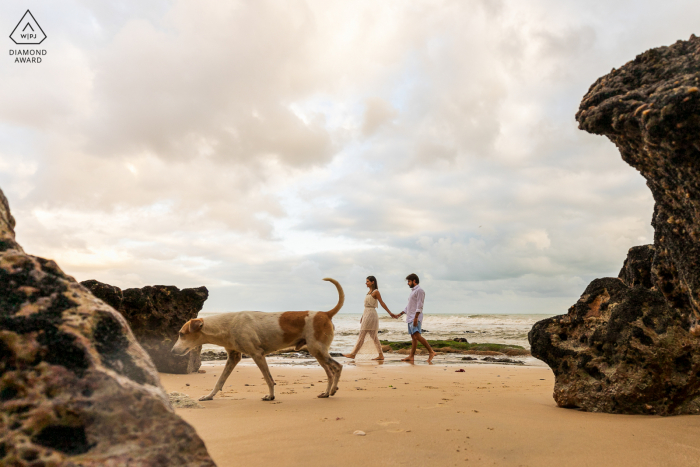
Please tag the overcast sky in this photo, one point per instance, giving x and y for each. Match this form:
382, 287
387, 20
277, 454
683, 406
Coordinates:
257, 147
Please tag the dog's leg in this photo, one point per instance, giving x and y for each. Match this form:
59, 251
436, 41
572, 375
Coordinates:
329, 374
331, 367
262, 364
231, 362
337, 370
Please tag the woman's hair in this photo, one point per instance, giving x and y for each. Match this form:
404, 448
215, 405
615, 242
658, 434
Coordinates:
373, 279
413, 277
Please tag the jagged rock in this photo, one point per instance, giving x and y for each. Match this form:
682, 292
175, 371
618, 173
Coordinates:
636, 270
156, 314
620, 349
7, 226
76, 389
630, 345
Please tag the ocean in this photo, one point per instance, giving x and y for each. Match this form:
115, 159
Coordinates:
496, 329
476, 328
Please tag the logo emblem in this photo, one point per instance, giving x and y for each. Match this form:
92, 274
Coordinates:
28, 31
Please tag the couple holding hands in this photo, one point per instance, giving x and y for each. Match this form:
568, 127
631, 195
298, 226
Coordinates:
369, 323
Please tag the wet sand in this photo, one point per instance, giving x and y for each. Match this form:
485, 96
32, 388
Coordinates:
420, 415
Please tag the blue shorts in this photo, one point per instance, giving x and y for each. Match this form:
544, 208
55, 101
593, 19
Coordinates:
414, 329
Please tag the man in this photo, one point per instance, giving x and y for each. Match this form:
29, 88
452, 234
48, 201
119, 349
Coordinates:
414, 318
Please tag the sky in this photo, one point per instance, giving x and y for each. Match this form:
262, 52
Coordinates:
256, 147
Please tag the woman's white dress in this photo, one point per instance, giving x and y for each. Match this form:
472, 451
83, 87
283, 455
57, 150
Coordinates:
368, 341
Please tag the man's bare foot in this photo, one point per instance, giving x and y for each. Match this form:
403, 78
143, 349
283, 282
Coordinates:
430, 357
381, 357
408, 359
349, 355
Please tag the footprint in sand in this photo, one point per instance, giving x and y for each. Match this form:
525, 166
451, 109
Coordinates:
439, 405
387, 423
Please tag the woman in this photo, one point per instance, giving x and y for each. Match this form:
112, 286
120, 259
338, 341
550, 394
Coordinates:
369, 323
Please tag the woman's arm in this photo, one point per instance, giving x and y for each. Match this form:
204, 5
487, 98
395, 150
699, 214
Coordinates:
378, 296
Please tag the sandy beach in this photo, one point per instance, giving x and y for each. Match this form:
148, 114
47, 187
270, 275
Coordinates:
420, 415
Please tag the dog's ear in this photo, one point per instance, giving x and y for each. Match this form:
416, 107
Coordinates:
196, 324
192, 325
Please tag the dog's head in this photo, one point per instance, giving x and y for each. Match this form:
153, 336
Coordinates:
191, 336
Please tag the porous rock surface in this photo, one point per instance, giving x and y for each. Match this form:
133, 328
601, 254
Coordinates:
156, 314
183, 401
630, 344
76, 389
636, 270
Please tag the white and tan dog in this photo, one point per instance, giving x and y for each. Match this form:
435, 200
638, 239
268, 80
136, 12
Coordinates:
256, 334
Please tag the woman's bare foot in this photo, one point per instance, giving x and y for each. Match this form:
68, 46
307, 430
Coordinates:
408, 359
348, 355
430, 357
381, 357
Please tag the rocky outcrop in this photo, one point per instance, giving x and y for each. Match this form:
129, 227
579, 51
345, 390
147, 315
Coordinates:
76, 389
630, 344
155, 315
7, 226
636, 270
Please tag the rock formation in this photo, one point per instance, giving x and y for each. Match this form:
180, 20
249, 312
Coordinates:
155, 315
630, 344
76, 389
636, 270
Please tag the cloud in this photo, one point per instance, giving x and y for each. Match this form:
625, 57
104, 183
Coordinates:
377, 113
255, 147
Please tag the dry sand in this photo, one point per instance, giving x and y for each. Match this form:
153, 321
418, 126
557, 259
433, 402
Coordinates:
421, 415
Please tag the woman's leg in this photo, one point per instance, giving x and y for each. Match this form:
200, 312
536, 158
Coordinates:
358, 346
377, 344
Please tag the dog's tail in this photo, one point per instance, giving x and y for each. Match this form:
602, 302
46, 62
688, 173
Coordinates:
341, 297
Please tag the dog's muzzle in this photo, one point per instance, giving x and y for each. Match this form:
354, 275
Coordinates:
179, 352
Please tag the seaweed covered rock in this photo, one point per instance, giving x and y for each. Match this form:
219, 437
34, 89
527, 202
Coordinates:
155, 315
630, 344
75, 387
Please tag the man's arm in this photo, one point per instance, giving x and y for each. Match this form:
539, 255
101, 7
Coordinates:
420, 298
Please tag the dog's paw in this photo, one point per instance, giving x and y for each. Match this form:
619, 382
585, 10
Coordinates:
206, 398
268, 398
323, 395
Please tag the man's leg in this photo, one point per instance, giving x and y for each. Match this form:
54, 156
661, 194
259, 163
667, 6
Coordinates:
421, 339
414, 344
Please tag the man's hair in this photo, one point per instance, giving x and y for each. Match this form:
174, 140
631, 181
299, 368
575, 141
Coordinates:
413, 277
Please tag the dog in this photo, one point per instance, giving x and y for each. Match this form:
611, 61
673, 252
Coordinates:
257, 334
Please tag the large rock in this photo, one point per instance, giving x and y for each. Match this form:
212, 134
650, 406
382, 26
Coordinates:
76, 389
630, 345
156, 314
636, 270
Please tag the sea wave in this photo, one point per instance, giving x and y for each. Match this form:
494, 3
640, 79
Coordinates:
486, 328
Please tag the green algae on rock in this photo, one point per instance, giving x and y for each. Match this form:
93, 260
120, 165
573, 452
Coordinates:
452, 346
